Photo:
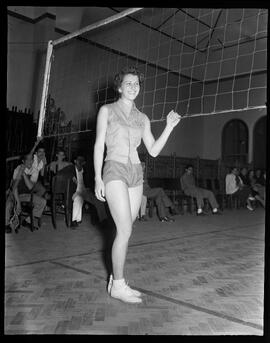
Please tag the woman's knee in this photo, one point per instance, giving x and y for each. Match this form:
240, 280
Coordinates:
123, 232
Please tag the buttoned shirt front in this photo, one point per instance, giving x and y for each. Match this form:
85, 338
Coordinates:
231, 184
124, 133
80, 182
35, 169
187, 182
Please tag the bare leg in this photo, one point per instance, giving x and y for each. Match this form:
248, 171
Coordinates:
124, 205
260, 199
135, 199
143, 206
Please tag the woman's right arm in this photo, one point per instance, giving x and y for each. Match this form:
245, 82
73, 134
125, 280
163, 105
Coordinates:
39, 139
102, 120
29, 184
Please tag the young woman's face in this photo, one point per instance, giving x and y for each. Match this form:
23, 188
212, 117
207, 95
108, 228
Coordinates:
258, 172
244, 171
60, 156
41, 153
130, 87
28, 161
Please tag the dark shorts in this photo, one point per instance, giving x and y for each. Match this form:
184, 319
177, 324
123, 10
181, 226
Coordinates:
130, 174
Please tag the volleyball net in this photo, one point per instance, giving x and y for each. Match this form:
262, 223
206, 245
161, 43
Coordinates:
195, 61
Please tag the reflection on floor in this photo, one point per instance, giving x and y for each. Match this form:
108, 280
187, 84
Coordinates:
198, 276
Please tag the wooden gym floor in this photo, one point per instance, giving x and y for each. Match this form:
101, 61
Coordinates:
198, 276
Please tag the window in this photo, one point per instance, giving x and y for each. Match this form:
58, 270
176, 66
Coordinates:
235, 142
259, 143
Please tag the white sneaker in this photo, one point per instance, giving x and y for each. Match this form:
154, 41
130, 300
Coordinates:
251, 198
123, 293
132, 291
250, 208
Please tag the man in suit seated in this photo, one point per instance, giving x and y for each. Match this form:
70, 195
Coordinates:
189, 188
235, 186
82, 193
163, 202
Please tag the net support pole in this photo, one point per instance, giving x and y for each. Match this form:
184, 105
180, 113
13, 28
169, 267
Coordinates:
45, 89
97, 24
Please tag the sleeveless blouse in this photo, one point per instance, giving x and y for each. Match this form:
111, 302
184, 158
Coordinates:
124, 133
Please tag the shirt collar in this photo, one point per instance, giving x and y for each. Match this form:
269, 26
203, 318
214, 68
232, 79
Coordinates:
124, 106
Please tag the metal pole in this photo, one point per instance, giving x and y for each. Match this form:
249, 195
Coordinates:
12, 158
97, 24
45, 89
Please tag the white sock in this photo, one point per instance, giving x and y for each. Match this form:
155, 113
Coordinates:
214, 210
118, 283
199, 210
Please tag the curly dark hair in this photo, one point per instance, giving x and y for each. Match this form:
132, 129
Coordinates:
189, 166
118, 79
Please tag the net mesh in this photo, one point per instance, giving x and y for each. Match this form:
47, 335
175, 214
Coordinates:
195, 61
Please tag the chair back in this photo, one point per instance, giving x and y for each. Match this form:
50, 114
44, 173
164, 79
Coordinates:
181, 182
59, 183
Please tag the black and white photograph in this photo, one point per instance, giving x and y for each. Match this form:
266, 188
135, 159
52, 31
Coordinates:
136, 192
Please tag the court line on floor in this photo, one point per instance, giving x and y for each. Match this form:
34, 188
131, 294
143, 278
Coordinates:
246, 237
139, 244
199, 234
171, 300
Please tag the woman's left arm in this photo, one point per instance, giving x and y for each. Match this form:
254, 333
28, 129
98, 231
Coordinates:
153, 146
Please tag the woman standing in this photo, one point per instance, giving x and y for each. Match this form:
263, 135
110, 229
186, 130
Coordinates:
121, 126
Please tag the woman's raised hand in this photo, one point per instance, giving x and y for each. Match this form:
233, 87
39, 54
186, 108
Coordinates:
173, 119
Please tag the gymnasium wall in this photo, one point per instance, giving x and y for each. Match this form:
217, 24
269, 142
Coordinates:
20, 62
198, 136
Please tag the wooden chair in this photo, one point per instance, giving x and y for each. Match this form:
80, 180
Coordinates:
219, 192
62, 188
168, 184
186, 202
27, 211
172, 186
232, 201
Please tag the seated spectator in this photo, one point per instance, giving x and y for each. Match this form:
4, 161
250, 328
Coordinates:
76, 172
259, 177
60, 162
257, 190
161, 199
261, 188
37, 169
189, 187
143, 216
235, 186
21, 191
244, 176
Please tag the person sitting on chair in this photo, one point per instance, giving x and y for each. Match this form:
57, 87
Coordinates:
60, 162
244, 176
257, 192
161, 199
76, 172
235, 186
36, 170
21, 189
189, 188
258, 175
